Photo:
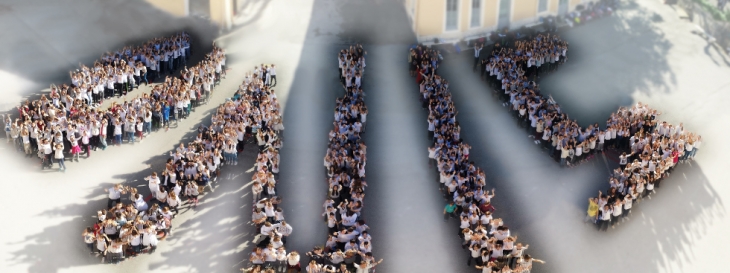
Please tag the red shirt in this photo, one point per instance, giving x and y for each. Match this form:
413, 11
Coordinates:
487, 207
97, 229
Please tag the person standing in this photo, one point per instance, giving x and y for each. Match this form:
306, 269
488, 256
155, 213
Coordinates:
526, 261
191, 190
149, 237
604, 217
272, 72
101, 244
129, 127
75, 148
86, 141
284, 229
616, 212
89, 239
449, 211
139, 128
153, 183
488, 268
477, 50
293, 262
118, 132
592, 209
173, 201
475, 254
115, 195
25, 136
103, 134
8, 126
47, 149
365, 266
153, 68
58, 155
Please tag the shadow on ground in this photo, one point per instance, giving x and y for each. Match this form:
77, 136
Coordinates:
628, 47
308, 114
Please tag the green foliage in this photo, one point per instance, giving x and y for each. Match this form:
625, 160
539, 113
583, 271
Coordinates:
712, 9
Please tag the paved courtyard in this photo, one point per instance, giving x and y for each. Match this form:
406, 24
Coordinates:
644, 53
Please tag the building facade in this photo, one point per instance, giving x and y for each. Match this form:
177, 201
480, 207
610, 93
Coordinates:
452, 20
220, 12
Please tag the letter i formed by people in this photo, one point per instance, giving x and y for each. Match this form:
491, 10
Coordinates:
349, 236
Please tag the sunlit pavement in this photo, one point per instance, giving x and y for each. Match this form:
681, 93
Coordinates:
616, 61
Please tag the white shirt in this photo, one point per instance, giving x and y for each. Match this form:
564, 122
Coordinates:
154, 184
617, 210
114, 193
47, 149
161, 196
284, 230
59, 154
292, 259
140, 204
605, 214
100, 245
266, 230
136, 240
365, 269
349, 221
149, 238
173, 202
269, 255
628, 202
89, 238
366, 248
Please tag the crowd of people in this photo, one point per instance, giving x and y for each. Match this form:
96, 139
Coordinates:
70, 121
648, 148
127, 228
349, 246
490, 245
259, 116
272, 230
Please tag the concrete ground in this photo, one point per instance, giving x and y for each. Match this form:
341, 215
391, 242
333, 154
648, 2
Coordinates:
615, 61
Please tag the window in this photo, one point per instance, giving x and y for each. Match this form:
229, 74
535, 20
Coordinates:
563, 7
476, 13
505, 12
542, 5
452, 14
